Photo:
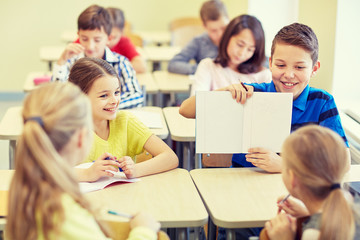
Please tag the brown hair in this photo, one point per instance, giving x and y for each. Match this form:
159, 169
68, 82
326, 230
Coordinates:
318, 158
117, 17
254, 64
299, 35
95, 17
212, 10
86, 70
42, 176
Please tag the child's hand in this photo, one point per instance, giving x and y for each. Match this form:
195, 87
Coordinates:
264, 159
281, 227
144, 220
128, 166
97, 170
238, 92
72, 49
293, 206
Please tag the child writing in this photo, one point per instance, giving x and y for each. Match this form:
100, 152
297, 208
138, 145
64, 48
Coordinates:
313, 168
293, 61
94, 29
122, 44
214, 16
45, 200
240, 58
118, 135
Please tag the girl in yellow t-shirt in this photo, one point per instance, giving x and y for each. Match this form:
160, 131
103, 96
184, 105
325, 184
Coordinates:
119, 136
45, 201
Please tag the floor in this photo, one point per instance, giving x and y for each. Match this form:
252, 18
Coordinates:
7, 100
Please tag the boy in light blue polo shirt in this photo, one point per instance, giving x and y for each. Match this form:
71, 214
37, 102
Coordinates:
294, 60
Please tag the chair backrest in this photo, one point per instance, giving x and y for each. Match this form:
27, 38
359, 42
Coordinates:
127, 28
143, 88
184, 29
135, 39
216, 160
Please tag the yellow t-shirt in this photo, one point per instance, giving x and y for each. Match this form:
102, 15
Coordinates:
126, 138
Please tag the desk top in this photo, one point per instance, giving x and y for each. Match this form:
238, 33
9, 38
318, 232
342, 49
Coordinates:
155, 37
158, 54
147, 79
11, 125
172, 82
51, 53
181, 129
171, 197
351, 127
244, 197
29, 81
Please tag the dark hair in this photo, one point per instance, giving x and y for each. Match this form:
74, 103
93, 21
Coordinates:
117, 17
212, 10
86, 70
95, 17
299, 35
254, 64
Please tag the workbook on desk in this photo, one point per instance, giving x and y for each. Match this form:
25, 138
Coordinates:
104, 181
225, 126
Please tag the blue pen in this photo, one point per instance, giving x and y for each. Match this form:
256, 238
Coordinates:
109, 158
120, 214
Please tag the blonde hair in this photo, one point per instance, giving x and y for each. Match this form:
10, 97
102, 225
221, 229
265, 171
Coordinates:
42, 175
318, 158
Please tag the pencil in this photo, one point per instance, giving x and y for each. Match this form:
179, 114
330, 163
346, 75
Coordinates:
284, 199
120, 214
242, 84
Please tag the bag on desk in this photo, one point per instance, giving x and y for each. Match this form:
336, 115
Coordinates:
42, 79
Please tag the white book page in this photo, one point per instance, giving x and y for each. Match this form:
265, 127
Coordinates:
219, 123
270, 120
104, 181
150, 119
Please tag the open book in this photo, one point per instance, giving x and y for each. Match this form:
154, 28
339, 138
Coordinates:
225, 126
104, 181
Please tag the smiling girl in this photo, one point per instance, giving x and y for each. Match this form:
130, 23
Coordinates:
118, 135
240, 59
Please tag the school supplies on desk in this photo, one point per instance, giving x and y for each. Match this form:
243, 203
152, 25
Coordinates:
104, 181
225, 126
42, 79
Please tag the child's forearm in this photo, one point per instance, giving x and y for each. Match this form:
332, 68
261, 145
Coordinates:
165, 161
188, 108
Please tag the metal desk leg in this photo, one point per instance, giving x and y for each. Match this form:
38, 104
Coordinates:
211, 230
230, 234
12, 146
198, 163
182, 233
187, 156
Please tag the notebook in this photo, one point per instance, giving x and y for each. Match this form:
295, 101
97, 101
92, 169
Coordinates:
225, 126
104, 181
149, 119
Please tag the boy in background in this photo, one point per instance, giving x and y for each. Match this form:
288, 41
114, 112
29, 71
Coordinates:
94, 29
214, 16
121, 44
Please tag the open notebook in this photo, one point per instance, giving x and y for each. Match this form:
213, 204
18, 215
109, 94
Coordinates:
104, 181
225, 126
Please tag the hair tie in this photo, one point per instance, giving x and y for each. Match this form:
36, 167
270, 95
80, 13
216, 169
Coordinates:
36, 119
335, 186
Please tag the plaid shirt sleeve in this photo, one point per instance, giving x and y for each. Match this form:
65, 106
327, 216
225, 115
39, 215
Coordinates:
131, 94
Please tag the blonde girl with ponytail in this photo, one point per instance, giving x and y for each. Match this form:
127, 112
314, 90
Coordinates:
44, 200
314, 164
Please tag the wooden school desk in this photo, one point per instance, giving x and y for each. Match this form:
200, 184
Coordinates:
51, 54
155, 37
5, 179
156, 55
11, 128
171, 197
171, 83
243, 197
352, 131
29, 81
182, 130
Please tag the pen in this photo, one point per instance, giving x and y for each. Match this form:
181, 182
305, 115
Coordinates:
242, 84
120, 214
109, 158
284, 199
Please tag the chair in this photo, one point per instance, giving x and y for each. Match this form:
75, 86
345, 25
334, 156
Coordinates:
184, 29
135, 39
216, 160
120, 230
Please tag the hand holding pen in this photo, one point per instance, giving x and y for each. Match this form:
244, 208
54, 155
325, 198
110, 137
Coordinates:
240, 92
292, 206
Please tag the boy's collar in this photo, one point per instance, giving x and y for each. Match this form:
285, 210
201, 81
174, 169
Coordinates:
109, 56
300, 102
